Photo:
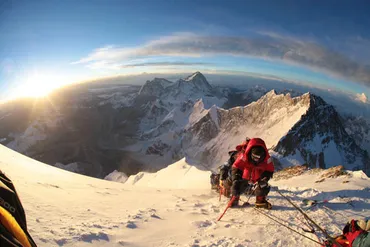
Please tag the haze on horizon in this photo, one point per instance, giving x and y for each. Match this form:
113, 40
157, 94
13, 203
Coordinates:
49, 44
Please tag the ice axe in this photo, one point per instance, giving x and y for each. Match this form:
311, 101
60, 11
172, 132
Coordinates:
233, 198
227, 207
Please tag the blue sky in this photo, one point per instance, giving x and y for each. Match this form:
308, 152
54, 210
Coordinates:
49, 43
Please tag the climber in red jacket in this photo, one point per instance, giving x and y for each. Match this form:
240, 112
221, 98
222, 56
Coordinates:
254, 166
356, 233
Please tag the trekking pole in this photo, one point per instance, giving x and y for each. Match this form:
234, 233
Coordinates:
254, 187
227, 207
331, 239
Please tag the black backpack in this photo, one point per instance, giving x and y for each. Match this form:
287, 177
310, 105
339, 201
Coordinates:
9, 201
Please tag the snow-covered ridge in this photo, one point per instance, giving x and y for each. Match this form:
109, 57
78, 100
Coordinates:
68, 209
179, 175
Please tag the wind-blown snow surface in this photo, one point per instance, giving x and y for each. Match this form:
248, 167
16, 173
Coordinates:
165, 209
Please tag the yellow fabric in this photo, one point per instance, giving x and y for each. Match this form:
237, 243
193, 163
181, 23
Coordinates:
8, 221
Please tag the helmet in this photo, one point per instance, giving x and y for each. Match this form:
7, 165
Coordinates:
257, 154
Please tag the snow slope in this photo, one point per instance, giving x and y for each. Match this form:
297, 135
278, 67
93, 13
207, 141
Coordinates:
173, 207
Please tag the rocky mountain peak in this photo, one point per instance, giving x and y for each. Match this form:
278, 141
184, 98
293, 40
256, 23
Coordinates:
320, 139
199, 81
155, 87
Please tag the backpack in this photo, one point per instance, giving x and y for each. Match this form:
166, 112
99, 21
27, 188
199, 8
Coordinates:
214, 180
225, 169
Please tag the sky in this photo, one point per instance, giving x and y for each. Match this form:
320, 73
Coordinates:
46, 44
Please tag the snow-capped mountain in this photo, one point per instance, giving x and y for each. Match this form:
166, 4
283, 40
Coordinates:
167, 113
301, 130
155, 87
320, 140
95, 129
217, 130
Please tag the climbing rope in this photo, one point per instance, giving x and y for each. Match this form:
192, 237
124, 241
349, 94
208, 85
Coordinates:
293, 230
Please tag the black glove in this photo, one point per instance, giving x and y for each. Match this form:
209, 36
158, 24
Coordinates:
262, 183
266, 175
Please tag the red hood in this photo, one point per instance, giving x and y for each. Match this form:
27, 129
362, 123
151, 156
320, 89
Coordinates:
256, 142
241, 146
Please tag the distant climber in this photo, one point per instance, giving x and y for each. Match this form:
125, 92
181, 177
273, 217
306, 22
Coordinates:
13, 226
253, 166
225, 173
222, 179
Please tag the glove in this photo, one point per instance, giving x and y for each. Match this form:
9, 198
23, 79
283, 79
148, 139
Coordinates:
262, 183
266, 175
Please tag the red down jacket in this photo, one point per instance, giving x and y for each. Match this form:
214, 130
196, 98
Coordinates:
251, 171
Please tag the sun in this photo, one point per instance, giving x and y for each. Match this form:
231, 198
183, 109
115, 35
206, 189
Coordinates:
37, 85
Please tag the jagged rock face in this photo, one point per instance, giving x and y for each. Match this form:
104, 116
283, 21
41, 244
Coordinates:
218, 131
174, 104
158, 148
155, 87
312, 132
199, 82
164, 127
320, 140
359, 129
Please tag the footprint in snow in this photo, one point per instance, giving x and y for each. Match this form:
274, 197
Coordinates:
198, 205
89, 237
214, 209
131, 225
180, 199
61, 242
153, 215
203, 223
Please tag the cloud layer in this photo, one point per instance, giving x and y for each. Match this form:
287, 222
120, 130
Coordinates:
266, 45
134, 65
